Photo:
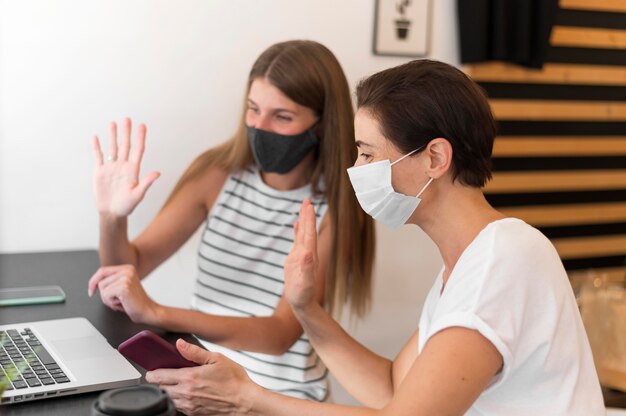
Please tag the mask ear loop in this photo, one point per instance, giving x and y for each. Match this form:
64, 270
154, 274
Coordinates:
407, 155
424, 188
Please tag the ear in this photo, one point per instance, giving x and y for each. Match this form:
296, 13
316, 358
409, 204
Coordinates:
439, 151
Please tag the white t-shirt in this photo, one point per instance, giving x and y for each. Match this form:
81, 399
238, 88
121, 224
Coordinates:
510, 285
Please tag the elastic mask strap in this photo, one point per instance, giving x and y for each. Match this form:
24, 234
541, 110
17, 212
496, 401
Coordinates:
424, 188
407, 155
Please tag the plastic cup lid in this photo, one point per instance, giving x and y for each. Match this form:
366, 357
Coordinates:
130, 401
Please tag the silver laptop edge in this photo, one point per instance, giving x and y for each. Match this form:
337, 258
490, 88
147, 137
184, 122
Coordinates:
82, 353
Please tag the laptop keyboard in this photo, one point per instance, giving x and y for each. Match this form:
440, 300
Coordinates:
23, 356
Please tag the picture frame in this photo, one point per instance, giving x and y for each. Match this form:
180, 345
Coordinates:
402, 27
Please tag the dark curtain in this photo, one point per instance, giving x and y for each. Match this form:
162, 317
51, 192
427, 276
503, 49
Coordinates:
516, 31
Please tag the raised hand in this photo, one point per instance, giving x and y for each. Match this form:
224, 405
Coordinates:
301, 263
117, 187
121, 290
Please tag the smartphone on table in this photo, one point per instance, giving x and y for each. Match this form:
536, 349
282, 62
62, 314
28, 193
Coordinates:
31, 295
151, 352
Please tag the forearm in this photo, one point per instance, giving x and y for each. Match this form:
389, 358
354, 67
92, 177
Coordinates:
266, 335
261, 402
115, 248
365, 375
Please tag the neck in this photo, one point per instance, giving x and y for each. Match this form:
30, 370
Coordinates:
295, 178
452, 218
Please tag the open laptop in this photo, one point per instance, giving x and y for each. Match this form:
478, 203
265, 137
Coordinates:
65, 356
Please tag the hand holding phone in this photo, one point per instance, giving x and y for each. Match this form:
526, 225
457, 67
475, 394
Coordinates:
151, 352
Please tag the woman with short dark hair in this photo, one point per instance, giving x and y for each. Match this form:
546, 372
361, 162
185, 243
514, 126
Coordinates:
500, 332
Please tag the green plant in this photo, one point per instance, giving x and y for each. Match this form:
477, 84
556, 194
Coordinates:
12, 372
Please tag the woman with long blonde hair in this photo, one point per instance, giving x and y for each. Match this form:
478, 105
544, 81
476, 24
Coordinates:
294, 142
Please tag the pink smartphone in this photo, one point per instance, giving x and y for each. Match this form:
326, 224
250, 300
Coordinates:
151, 352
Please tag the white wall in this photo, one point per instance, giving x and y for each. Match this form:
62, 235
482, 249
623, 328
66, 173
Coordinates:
68, 67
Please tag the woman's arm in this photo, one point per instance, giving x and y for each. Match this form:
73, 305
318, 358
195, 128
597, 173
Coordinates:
371, 379
454, 368
121, 290
365, 375
274, 334
177, 221
118, 191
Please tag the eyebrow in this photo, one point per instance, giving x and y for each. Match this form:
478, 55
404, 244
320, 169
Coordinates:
360, 143
274, 110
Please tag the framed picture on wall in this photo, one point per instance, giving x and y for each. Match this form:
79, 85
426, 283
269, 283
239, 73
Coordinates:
402, 27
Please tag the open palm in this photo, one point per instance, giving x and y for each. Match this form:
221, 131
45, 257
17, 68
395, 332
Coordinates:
301, 263
117, 187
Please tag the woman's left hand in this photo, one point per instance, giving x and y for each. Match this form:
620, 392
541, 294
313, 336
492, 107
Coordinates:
217, 386
302, 262
121, 290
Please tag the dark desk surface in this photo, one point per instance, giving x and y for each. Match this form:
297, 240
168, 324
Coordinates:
71, 271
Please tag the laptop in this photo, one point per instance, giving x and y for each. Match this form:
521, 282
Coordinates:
64, 356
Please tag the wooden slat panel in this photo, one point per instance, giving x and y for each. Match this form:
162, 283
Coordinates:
618, 6
609, 245
557, 215
558, 110
583, 37
544, 181
529, 146
550, 74
611, 377
606, 274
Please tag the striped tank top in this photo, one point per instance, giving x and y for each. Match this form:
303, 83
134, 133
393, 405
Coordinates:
248, 235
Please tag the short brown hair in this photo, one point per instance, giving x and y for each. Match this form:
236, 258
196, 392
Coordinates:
422, 100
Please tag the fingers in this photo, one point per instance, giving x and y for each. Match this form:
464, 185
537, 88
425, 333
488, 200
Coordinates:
296, 228
164, 376
301, 223
97, 151
94, 280
193, 352
309, 231
125, 143
146, 182
100, 275
122, 291
140, 144
113, 140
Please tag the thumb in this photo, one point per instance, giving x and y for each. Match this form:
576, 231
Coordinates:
194, 353
146, 182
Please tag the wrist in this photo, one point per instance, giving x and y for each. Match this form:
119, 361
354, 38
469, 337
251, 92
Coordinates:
250, 398
306, 311
157, 315
107, 217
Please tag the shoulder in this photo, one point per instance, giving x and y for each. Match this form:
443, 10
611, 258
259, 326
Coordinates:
516, 242
508, 257
205, 185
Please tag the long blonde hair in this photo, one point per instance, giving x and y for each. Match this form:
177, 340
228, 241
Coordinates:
310, 75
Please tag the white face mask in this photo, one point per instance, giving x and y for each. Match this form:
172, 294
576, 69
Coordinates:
372, 185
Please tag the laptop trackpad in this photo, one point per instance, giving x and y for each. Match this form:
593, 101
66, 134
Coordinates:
82, 347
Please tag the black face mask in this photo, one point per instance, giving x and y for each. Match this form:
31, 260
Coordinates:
279, 153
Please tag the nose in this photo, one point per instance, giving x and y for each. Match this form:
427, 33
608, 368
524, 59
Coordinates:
259, 121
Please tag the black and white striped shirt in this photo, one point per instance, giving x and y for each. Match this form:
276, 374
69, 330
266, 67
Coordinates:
248, 235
